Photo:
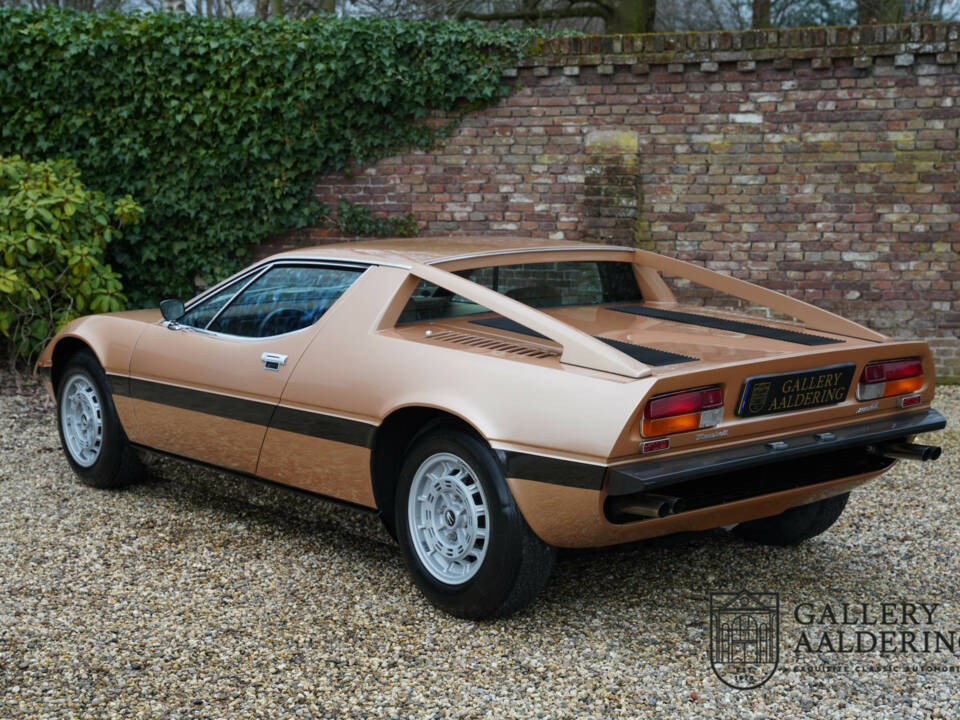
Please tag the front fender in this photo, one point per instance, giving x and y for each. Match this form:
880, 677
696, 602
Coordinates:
111, 337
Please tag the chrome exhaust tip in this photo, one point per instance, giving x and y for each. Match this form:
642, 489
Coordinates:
649, 505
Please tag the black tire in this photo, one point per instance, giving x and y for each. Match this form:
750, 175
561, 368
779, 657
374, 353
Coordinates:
794, 525
115, 463
515, 564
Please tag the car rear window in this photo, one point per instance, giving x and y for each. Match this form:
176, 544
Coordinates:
539, 285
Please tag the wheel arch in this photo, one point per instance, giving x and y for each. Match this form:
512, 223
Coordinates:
393, 438
64, 349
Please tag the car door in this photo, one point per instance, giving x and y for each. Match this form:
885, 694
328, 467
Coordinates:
205, 387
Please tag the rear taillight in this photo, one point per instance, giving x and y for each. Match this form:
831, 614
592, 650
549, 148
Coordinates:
889, 378
682, 411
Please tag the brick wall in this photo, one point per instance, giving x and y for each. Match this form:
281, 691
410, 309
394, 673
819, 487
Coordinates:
822, 163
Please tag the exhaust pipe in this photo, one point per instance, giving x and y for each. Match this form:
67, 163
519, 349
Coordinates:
909, 451
649, 505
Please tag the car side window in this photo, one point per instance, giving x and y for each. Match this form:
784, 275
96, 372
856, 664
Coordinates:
539, 285
560, 284
430, 302
200, 315
284, 299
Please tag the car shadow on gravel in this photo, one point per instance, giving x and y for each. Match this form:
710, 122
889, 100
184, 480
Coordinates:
257, 501
619, 575
313, 520
681, 571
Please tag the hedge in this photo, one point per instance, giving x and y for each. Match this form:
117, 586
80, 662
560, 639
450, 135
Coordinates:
219, 127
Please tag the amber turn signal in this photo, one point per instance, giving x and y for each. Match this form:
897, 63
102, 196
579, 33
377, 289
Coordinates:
890, 378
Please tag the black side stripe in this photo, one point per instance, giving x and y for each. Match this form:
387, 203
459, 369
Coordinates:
325, 427
119, 385
251, 411
646, 355
524, 466
716, 323
552, 470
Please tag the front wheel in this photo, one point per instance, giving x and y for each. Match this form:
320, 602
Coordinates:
795, 524
90, 432
464, 540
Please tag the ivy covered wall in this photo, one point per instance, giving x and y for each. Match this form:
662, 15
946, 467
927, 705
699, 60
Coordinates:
218, 128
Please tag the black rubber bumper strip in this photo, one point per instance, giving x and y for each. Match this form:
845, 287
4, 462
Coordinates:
716, 323
646, 355
656, 474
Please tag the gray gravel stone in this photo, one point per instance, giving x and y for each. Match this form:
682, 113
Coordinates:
195, 595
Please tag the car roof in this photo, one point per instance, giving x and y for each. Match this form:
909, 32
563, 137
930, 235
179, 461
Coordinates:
435, 250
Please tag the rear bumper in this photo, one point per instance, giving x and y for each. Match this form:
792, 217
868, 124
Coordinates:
574, 517
659, 474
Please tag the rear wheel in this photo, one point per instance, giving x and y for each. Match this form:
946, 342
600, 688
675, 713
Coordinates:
794, 525
90, 432
463, 538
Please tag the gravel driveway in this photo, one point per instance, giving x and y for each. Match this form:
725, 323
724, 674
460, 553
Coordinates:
194, 595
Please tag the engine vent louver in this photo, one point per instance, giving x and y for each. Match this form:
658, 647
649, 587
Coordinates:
485, 343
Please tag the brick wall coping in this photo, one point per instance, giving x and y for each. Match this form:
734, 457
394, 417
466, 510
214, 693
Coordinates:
746, 47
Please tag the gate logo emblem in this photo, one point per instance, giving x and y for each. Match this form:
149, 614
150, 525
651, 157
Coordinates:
744, 637
758, 397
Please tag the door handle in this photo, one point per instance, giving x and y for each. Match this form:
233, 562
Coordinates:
273, 361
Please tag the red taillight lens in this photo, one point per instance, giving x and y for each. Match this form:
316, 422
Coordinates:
889, 378
682, 411
711, 398
891, 370
688, 401
676, 404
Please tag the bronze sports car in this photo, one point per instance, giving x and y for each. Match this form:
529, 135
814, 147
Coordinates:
494, 400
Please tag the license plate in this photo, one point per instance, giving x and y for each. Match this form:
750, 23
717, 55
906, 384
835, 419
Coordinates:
768, 394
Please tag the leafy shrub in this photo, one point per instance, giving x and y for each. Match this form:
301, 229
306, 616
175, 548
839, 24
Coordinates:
53, 236
219, 127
